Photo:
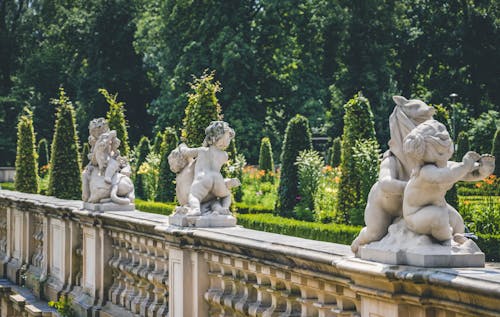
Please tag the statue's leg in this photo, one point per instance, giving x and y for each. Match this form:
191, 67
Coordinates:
198, 191
377, 221
432, 220
85, 185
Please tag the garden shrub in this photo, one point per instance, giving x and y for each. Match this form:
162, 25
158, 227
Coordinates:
203, 108
156, 147
26, 179
43, 153
358, 125
488, 243
266, 162
462, 146
166, 185
495, 151
116, 120
85, 155
297, 138
244, 208
309, 166
150, 171
255, 190
154, 207
234, 169
366, 165
141, 151
483, 130
325, 202
65, 174
335, 152
336, 233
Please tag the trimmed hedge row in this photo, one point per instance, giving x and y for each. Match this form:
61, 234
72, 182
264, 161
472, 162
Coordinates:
342, 234
154, 207
243, 208
490, 245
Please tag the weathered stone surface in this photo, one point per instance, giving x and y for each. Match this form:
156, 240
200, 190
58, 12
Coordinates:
207, 221
102, 207
403, 246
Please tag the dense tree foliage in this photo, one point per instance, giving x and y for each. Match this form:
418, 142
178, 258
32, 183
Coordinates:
65, 175
274, 59
297, 139
358, 126
26, 159
116, 120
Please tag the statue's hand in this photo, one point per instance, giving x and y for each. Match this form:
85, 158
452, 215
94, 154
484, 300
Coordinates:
486, 164
470, 158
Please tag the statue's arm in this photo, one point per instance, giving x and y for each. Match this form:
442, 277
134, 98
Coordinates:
387, 177
482, 169
187, 151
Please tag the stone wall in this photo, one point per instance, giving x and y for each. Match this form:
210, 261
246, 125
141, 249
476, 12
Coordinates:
134, 264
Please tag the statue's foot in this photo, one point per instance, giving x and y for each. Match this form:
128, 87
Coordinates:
459, 238
194, 212
222, 211
446, 243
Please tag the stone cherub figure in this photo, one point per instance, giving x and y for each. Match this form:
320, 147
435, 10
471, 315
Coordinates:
385, 199
425, 210
200, 186
106, 178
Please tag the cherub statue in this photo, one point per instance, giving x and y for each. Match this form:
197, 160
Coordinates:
201, 188
385, 199
107, 176
425, 210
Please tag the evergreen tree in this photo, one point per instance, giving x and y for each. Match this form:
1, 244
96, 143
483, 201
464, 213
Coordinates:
266, 162
297, 138
156, 147
142, 151
203, 108
495, 151
462, 146
43, 153
116, 120
85, 155
358, 125
336, 152
65, 174
26, 179
166, 186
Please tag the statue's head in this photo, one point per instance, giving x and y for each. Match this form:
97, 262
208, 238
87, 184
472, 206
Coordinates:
218, 133
97, 127
429, 142
415, 110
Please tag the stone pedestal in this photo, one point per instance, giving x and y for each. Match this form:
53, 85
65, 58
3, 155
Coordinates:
204, 221
402, 246
108, 207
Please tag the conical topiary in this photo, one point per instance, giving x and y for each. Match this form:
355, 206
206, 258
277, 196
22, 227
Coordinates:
297, 138
266, 162
166, 185
358, 125
65, 174
85, 154
335, 153
142, 151
26, 179
43, 153
203, 108
156, 147
116, 120
462, 146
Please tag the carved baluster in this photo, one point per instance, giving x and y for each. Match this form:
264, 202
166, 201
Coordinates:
159, 278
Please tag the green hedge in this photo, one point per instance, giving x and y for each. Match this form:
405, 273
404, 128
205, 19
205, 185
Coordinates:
490, 245
8, 186
154, 207
243, 208
342, 234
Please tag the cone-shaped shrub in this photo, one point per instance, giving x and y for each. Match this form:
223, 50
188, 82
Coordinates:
65, 174
203, 108
156, 147
43, 153
358, 125
166, 186
297, 138
495, 151
26, 157
142, 152
85, 154
462, 146
116, 120
335, 153
266, 162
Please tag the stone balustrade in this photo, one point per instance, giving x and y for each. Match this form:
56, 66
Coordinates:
134, 264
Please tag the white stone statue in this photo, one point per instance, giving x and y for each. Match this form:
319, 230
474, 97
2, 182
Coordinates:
106, 183
425, 210
200, 187
385, 199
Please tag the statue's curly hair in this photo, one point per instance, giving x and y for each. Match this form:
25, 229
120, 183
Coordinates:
215, 131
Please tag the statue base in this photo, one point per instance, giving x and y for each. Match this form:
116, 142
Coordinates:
102, 207
402, 246
208, 220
